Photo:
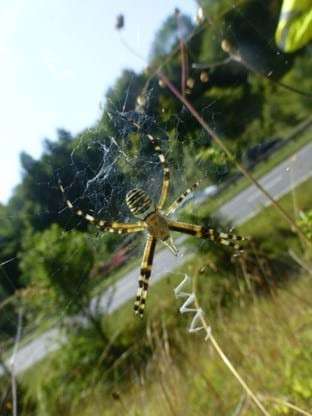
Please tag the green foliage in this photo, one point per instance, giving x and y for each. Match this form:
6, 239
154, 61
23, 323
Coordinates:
305, 222
10, 229
81, 365
61, 262
91, 363
39, 207
121, 97
300, 363
26, 405
216, 163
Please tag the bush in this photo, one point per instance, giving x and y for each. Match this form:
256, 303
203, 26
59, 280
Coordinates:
61, 263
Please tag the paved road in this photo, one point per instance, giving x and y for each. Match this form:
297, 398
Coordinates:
288, 174
244, 206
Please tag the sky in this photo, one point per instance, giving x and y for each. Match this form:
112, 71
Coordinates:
57, 59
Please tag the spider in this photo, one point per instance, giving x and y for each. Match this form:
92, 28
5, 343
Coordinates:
156, 223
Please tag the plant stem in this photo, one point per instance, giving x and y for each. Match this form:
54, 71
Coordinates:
287, 404
224, 357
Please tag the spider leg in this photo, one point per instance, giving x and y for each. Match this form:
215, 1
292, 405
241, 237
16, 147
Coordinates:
108, 226
172, 208
207, 234
166, 172
165, 167
146, 268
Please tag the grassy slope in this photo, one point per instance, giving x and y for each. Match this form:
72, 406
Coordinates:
268, 339
270, 343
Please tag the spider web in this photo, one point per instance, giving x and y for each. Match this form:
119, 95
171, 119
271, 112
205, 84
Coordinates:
121, 168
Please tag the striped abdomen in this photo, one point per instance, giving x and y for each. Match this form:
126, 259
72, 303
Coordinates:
139, 203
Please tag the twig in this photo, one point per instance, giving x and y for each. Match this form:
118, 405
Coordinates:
241, 405
285, 403
293, 193
4, 399
167, 397
299, 261
182, 52
293, 187
12, 361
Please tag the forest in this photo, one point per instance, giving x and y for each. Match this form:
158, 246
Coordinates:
257, 104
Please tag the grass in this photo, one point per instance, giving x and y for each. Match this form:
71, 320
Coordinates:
269, 342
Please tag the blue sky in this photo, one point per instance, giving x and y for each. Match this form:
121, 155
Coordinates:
57, 59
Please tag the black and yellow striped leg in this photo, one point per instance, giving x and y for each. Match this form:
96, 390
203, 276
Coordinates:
208, 234
146, 268
166, 172
172, 208
103, 225
165, 167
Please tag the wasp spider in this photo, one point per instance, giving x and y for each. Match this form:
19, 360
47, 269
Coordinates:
155, 221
